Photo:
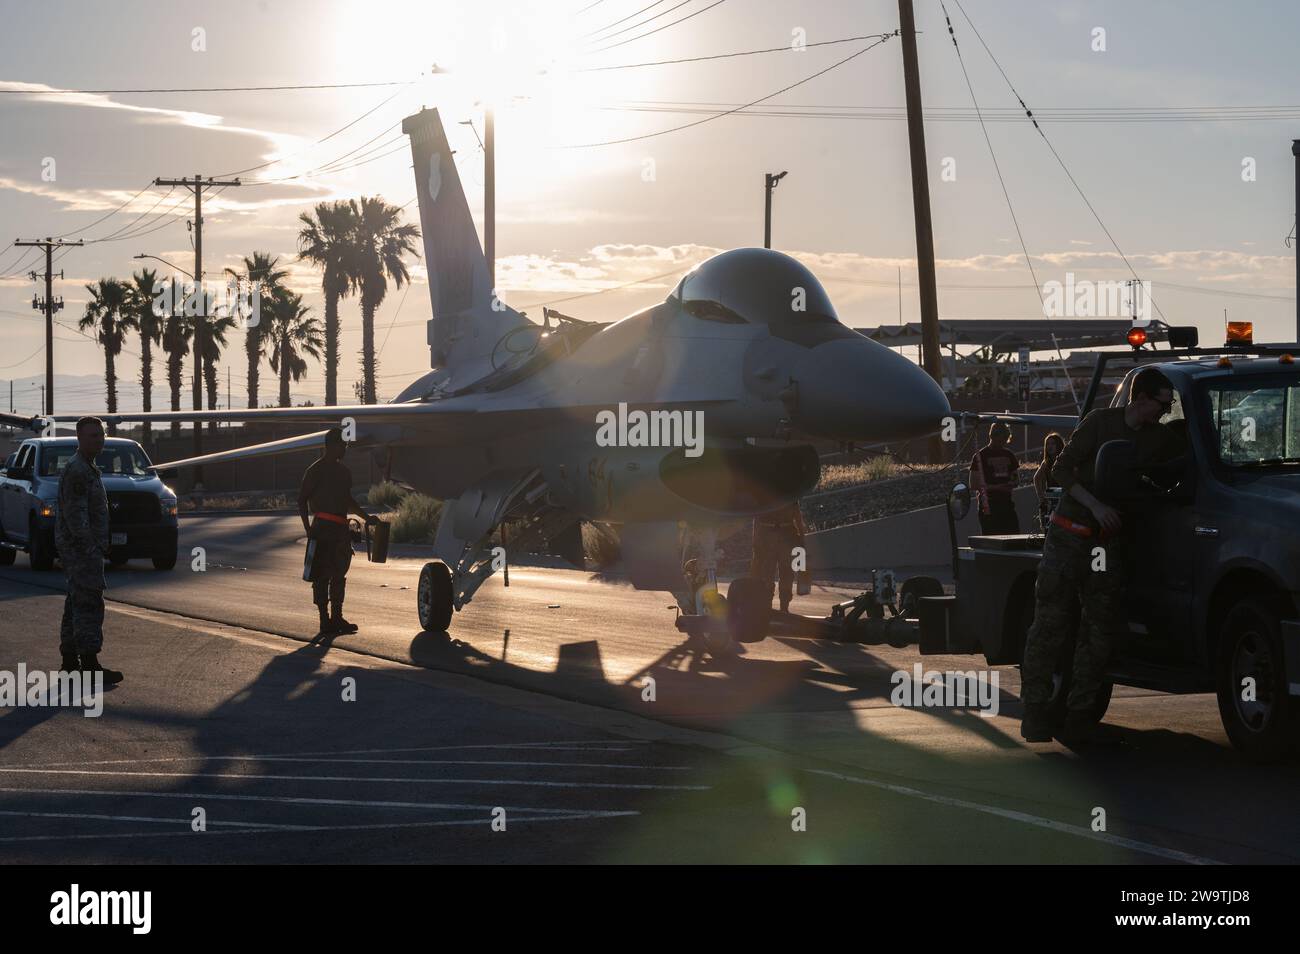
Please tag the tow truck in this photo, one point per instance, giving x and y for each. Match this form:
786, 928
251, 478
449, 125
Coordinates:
1213, 589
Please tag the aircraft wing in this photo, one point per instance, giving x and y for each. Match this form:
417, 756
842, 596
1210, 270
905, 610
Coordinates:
1066, 421
284, 446
447, 423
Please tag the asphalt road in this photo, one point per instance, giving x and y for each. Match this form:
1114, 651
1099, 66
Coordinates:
538, 704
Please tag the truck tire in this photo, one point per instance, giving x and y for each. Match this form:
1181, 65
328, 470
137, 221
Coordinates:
1063, 674
165, 561
40, 548
1250, 646
7, 556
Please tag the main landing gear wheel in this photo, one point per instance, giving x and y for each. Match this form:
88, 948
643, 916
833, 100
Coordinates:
433, 598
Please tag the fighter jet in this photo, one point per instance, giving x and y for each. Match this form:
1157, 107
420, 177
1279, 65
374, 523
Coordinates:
675, 420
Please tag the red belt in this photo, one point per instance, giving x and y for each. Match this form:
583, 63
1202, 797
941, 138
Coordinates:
331, 517
1078, 529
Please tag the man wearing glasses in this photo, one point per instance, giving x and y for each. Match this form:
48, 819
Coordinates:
1081, 576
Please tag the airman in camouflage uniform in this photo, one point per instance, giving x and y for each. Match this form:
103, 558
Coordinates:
775, 537
82, 536
1082, 574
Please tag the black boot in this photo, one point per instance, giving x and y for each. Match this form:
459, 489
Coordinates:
1080, 729
1036, 724
71, 663
90, 664
337, 621
326, 626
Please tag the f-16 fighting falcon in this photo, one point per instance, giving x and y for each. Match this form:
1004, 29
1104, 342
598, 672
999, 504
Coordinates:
691, 413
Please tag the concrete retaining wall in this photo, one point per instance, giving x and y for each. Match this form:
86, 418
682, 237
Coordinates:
918, 538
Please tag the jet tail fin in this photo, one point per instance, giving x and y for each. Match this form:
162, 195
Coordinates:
467, 320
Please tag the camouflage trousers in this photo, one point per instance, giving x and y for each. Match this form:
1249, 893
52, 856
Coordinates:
82, 629
1073, 598
773, 557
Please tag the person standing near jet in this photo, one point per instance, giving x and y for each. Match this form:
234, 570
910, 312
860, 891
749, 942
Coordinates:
1081, 576
326, 495
81, 535
993, 473
775, 537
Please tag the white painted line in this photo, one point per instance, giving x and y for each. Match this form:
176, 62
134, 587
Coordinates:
1118, 841
612, 745
302, 800
148, 818
446, 823
329, 761
535, 783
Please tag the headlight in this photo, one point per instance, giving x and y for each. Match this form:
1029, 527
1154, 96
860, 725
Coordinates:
168, 507
47, 510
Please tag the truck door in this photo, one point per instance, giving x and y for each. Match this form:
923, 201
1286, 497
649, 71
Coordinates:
16, 495
1164, 552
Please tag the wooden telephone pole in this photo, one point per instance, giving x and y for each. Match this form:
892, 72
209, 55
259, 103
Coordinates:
930, 357
49, 305
198, 185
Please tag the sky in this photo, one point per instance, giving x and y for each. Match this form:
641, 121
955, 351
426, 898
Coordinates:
1157, 110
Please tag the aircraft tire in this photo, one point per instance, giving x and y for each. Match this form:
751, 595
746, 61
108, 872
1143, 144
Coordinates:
433, 598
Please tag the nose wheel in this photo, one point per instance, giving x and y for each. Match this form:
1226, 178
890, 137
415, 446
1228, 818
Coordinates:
433, 598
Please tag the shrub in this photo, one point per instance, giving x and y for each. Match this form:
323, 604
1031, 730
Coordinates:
417, 519
385, 495
600, 545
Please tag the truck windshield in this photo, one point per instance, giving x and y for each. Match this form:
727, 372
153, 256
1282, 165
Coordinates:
114, 460
1257, 423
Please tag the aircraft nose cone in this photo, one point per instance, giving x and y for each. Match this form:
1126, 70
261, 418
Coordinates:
855, 389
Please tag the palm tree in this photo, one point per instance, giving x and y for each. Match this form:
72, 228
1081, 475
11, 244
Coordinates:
293, 336
176, 335
261, 272
328, 241
108, 314
212, 339
150, 325
382, 242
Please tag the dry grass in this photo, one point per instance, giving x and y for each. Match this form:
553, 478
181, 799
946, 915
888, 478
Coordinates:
600, 545
385, 496
416, 519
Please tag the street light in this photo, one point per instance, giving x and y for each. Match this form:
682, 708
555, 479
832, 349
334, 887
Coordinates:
769, 183
165, 262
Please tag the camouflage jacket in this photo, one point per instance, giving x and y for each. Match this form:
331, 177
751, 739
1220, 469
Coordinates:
81, 525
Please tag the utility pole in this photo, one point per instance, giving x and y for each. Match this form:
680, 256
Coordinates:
1295, 151
49, 306
769, 183
490, 195
920, 199
198, 185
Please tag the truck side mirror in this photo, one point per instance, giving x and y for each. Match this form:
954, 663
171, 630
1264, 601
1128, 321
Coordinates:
1115, 473
959, 501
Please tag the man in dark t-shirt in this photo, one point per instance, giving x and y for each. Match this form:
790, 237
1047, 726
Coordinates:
324, 502
994, 471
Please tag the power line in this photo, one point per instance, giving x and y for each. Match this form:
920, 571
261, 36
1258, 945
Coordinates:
634, 26
336, 132
722, 56
102, 218
628, 17
761, 99
997, 167
203, 89
633, 39
1029, 114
